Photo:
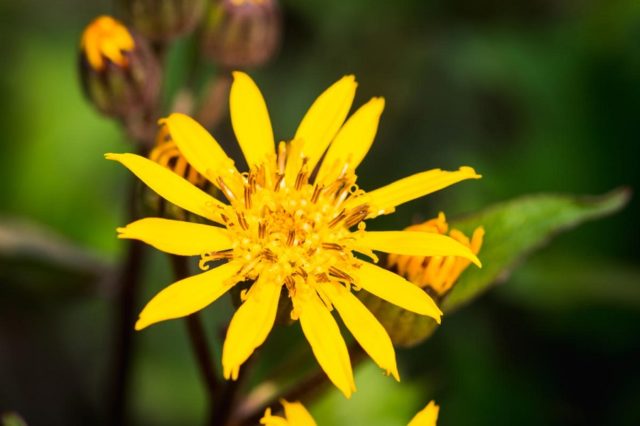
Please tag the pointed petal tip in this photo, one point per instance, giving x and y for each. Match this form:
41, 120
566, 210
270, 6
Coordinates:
238, 74
140, 324
112, 156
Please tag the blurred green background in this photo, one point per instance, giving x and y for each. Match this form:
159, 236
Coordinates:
537, 95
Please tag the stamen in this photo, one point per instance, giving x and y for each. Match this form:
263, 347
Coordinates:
242, 221
291, 237
247, 195
261, 229
317, 190
340, 274
279, 181
331, 246
337, 219
226, 190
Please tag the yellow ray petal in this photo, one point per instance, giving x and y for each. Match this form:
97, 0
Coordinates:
197, 145
296, 414
324, 118
366, 329
353, 141
177, 237
416, 243
395, 289
188, 295
170, 186
428, 416
385, 199
327, 343
250, 119
250, 325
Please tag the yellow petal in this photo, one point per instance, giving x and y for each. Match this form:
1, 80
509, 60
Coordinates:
385, 199
188, 295
324, 118
170, 186
353, 141
197, 145
177, 237
416, 243
250, 325
428, 416
250, 119
364, 326
296, 414
326, 342
395, 289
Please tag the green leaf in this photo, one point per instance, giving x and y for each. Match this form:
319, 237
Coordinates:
37, 264
516, 228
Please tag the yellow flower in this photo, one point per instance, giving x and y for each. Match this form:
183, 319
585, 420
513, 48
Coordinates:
287, 232
436, 272
106, 39
296, 415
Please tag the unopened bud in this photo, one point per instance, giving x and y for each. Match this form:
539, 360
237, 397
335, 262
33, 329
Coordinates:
119, 73
242, 33
162, 20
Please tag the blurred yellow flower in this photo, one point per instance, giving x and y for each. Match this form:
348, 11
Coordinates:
106, 39
288, 232
436, 272
296, 415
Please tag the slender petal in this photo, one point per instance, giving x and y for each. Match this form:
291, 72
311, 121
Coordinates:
176, 236
327, 344
416, 243
395, 289
428, 416
296, 414
197, 145
324, 118
353, 141
250, 325
188, 295
385, 199
170, 186
364, 326
250, 119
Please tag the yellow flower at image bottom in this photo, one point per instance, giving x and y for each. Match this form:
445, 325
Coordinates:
296, 415
287, 232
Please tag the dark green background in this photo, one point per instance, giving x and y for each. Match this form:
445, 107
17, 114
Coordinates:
537, 95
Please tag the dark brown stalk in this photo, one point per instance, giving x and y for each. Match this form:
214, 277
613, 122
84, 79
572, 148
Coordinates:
200, 345
125, 303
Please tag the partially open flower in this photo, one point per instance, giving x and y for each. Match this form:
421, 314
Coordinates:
162, 20
119, 73
439, 273
242, 33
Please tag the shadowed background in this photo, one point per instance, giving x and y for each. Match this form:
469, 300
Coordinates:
537, 95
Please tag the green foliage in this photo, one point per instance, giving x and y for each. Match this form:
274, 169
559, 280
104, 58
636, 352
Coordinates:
517, 227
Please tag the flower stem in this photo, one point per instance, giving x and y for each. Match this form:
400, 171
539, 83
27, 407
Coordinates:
125, 303
200, 345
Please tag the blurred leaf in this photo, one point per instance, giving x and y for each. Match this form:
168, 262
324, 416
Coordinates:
515, 228
12, 419
36, 263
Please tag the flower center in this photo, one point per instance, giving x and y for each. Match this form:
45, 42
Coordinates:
295, 232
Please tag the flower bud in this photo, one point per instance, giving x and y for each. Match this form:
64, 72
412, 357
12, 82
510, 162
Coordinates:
162, 20
436, 275
242, 33
119, 73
